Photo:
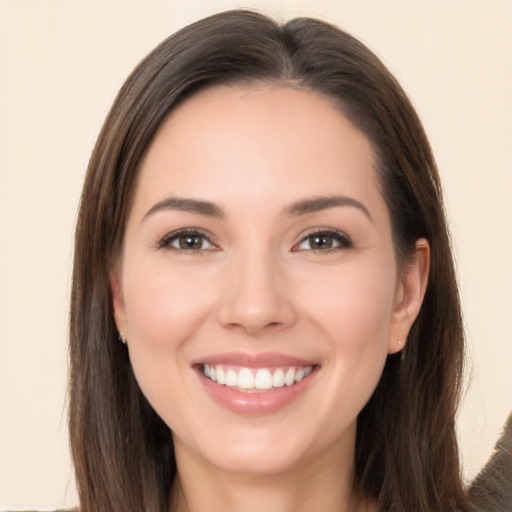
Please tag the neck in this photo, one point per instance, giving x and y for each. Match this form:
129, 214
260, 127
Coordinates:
322, 485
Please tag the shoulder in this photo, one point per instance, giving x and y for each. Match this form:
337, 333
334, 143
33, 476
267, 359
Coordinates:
491, 490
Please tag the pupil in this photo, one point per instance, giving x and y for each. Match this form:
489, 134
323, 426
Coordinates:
191, 242
321, 242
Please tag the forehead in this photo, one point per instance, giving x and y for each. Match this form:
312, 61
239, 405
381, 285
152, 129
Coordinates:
259, 140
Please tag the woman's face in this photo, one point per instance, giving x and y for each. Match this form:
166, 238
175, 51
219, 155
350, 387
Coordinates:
258, 254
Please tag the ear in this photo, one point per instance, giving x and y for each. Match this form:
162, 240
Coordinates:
409, 295
118, 304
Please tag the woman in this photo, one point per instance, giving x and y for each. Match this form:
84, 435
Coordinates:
264, 306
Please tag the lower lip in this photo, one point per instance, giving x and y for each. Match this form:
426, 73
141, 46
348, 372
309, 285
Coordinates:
256, 403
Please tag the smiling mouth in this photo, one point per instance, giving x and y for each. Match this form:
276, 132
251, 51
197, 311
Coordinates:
255, 380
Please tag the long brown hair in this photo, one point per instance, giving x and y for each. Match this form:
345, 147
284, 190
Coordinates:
406, 450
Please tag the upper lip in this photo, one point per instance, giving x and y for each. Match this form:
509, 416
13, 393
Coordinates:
252, 360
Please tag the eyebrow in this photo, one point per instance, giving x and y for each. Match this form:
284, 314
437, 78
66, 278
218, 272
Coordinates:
317, 204
195, 206
302, 207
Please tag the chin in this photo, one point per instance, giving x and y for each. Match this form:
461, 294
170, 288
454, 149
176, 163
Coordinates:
254, 462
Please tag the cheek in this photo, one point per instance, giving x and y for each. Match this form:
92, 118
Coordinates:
164, 307
164, 311
354, 311
354, 305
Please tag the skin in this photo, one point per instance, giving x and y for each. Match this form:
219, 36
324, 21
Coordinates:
258, 283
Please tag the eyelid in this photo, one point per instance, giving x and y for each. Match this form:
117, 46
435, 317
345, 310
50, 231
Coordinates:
344, 240
168, 238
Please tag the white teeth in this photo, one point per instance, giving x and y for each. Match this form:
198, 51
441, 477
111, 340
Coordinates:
247, 379
231, 379
289, 378
221, 376
263, 380
278, 378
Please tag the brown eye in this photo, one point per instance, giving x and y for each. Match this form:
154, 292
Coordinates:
190, 242
320, 241
323, 241
186, 241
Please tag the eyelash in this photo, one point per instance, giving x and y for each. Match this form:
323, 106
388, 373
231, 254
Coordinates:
339, 237
167, 241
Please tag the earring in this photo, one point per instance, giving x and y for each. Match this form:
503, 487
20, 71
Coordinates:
401, 348
122, 339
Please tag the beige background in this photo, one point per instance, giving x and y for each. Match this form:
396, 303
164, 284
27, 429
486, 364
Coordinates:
61, 63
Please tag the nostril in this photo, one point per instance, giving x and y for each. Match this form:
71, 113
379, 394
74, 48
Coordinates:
256, 307
254, 327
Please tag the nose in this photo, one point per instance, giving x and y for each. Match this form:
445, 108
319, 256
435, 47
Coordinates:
256, 296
